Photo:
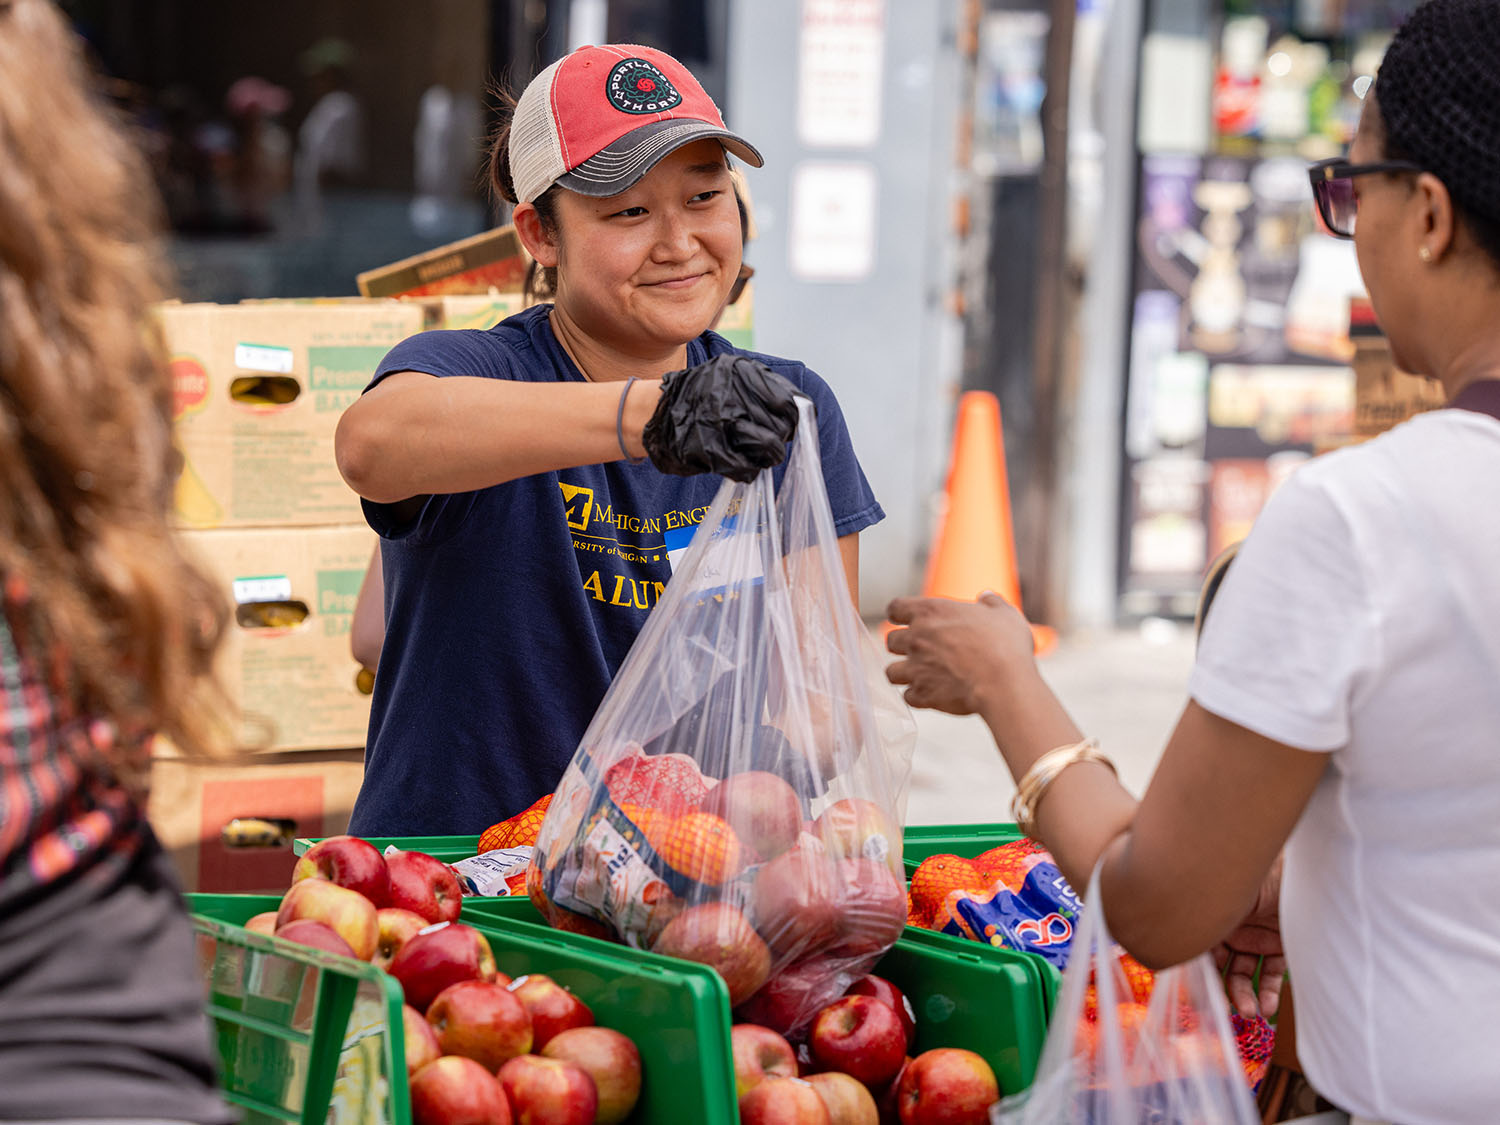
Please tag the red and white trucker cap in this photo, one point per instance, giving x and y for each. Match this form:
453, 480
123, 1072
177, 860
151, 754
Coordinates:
599, 119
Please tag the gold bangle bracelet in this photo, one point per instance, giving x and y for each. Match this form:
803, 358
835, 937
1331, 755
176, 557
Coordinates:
1033, 786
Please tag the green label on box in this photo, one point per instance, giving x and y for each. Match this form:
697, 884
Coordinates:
337, 374
338, 590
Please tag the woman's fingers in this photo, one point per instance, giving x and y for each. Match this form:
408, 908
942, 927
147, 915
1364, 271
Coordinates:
1272, 976
1239, 983
901, 609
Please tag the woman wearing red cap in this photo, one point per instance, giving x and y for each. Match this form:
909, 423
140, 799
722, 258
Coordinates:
533, 483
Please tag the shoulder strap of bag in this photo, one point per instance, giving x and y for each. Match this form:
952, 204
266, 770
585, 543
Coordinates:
1481, 396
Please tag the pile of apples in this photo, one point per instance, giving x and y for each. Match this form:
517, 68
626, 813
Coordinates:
854, 1068
481, 1048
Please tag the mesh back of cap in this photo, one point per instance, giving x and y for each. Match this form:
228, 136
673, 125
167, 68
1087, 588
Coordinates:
535, 152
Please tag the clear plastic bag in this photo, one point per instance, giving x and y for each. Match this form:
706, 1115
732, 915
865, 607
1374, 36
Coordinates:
739, 795
1107, 1061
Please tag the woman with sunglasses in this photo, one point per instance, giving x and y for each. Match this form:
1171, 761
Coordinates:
1345, 704
525, 535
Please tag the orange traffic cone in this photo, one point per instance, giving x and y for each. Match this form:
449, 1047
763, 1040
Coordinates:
975, 546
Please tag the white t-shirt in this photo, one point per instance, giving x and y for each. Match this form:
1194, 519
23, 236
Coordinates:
1362, 618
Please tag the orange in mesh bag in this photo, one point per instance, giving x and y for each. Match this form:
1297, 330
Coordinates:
738, 796
517, 831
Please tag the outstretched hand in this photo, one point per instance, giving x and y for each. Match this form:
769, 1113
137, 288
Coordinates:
955, 652
1256, 943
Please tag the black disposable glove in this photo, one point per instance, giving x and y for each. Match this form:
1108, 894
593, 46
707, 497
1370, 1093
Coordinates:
731, 416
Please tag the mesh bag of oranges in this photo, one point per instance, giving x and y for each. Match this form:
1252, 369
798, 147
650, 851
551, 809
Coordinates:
737, 799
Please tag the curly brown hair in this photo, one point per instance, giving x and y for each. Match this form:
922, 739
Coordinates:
123, 622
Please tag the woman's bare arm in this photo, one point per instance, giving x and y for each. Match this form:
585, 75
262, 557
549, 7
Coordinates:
418, 435
1185, 863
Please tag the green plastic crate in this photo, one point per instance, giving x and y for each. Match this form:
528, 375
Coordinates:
676, 1012
302, 1035
449, 849
480, 910
965, 995
970, 840
971, 998
919, 841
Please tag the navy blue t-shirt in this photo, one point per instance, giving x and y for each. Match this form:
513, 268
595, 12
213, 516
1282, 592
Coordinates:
509, 610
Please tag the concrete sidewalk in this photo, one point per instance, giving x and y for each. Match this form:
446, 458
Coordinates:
1126, 687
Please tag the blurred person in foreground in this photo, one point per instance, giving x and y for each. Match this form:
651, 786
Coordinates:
1346, 696
106, 631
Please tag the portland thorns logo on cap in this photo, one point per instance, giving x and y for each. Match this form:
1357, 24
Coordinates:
635, 86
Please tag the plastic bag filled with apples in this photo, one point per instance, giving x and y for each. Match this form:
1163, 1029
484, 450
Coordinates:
738, 797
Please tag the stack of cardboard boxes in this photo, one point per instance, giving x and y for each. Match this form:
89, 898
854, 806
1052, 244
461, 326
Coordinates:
259, 389
258, 393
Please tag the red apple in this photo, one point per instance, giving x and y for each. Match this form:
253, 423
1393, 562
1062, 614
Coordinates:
422, 1045
716, 934
317, 935
860, 1036
947, 1086
438, 956
872, 913
262, 923
348, 913
552, 1007
545, 1091
762, 809
424, 885
796, 902
847, 1099
887, 993
783, 1101
349, 862
480, 1020
610, 1059
457, 1091
855, 828
796, 994
396, 927
759, 1053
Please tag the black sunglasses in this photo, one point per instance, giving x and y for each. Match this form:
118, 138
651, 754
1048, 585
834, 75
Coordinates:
1333, 189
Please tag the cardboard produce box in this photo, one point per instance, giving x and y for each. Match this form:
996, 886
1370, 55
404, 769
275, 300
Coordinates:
229, 826
1384, 395
285, 661
494, 259
259, 389
481, 312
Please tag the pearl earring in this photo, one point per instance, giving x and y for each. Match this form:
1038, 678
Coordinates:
1425, 254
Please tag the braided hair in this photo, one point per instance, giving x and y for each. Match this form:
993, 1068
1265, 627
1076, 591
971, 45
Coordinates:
1439, 96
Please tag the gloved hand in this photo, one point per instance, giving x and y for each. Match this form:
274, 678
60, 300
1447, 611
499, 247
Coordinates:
731, 415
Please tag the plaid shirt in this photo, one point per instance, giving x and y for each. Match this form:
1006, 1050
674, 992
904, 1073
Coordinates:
61, 813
